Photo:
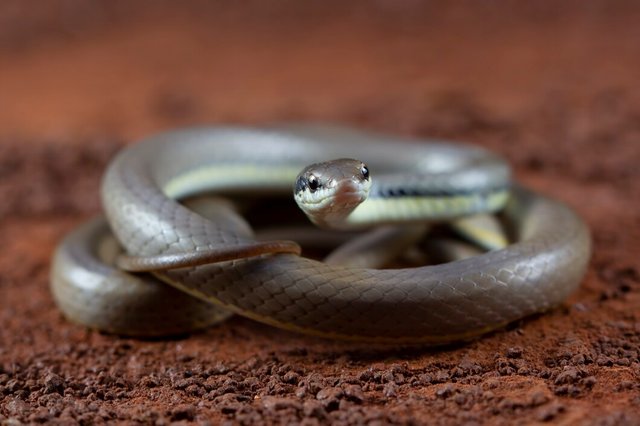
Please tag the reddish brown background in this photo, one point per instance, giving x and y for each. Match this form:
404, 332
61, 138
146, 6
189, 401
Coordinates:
552, 87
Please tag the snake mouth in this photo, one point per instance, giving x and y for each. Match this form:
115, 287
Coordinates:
349, 192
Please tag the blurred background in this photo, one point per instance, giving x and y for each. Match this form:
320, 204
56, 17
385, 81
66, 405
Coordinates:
83, 67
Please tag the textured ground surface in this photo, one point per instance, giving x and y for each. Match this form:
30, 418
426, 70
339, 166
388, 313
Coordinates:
554, 89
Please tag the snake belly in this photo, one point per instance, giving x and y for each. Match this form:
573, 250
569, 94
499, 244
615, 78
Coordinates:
433, 181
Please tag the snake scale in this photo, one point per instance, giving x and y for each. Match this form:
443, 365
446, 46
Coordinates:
429, 180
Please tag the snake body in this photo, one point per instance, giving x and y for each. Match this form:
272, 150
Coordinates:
418, 181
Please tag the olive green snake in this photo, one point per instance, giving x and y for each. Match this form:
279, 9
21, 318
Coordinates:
411, 181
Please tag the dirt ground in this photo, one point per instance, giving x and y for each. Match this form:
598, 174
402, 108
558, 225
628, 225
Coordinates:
554, 88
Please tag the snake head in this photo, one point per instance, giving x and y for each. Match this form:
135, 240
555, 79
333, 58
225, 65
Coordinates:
328, 192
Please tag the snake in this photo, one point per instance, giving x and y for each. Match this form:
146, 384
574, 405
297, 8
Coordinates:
111, 273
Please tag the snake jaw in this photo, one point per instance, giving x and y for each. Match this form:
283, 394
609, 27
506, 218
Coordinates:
349, 193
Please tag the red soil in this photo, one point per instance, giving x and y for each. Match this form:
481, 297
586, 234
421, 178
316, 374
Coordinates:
552, 88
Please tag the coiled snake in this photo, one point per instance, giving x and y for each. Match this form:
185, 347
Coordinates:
410, 180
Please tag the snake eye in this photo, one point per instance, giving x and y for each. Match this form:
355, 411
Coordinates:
313, 183
365, 172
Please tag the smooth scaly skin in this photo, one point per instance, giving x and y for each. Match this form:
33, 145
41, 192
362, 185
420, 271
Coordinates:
433, 304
